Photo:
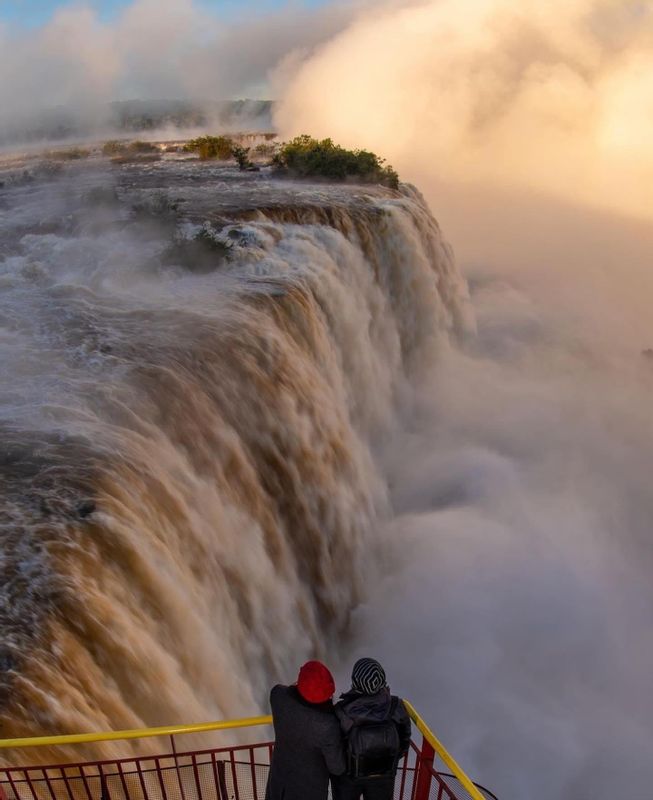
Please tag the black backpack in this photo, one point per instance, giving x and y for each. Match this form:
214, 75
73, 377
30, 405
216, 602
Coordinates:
373, 748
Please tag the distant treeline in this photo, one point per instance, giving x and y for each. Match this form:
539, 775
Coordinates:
134, 116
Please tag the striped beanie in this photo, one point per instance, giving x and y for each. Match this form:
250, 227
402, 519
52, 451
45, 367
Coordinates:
367, 676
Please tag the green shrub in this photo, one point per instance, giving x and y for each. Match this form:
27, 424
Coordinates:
306, 157
265, 150
220, 147
241, 154
113, 148
71, 154
118, 149
142, 147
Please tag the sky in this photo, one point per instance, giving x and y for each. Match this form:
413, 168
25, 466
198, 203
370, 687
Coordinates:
32, 13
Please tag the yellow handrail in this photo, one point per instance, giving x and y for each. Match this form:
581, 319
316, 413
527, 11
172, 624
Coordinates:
444, 754
137, 733
248, 722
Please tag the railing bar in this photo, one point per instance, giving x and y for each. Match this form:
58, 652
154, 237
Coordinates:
141, 733
415, 751
105, 794
402, 787
160, 777
85, 782
132, 759
234, 775
483, 789
418, 769
413, 791
445, 788
174, 751
253, 771
122, 780
11, 783
139, 769
64, 778
216, 778
425, 772
29, 783
196, 773
48, 784
223, 780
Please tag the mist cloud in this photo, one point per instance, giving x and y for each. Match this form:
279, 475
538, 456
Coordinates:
518, 562
153, 50
553, 96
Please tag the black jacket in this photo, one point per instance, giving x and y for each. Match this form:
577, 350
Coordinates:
308, 747
354, 708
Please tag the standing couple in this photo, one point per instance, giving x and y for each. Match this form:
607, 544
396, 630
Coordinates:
356, 743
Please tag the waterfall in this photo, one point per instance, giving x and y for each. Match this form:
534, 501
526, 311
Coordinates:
197, 372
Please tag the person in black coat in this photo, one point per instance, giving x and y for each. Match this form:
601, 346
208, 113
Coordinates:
308, 741
370, 703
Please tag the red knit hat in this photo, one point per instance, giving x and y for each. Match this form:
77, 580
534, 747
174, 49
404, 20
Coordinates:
315, 683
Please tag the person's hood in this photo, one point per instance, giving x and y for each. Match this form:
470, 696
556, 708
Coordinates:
363, 708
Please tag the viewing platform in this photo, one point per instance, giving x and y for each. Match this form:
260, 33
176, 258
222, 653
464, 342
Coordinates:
237, 772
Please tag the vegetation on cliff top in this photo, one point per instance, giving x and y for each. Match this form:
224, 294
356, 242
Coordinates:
209, 147
121, 151
305, 157
302, 157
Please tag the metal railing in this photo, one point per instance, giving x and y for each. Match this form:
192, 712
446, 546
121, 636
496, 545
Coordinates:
223, 773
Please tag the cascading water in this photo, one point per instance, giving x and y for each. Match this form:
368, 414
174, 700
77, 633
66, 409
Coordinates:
194, 382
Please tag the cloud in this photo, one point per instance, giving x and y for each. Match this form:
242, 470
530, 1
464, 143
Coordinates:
152, 50
548, 95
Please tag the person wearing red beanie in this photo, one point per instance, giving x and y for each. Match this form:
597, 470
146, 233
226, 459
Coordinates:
308, 744
315, 683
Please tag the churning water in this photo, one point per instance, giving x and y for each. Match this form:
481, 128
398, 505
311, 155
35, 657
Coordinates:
198, 372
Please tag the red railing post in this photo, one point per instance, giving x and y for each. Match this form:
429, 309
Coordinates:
223, 780
104, 789
424, 771
179, 780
